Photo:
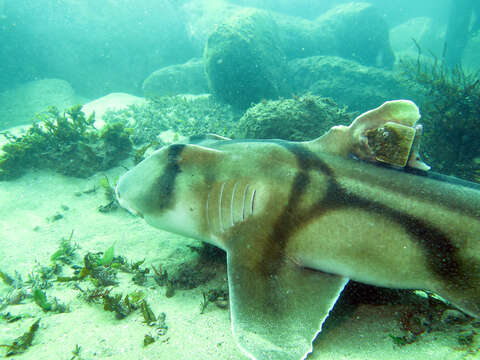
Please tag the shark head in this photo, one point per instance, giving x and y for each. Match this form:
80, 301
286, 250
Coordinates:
165, 189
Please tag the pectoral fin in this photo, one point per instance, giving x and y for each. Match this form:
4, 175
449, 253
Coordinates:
276, 315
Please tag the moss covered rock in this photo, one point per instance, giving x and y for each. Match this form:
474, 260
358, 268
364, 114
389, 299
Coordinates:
244, 61
349, 83
360, 33
302, 118
246, 56
188, 78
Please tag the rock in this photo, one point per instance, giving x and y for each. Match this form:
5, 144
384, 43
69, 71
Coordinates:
202, 18
245, 57
471, 54
420, 29
345, 81
302, 118
353, 31
243, 61
188, 78
360, 33
19, 105
113, 101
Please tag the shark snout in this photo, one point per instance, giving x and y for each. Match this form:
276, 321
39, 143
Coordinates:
123, 201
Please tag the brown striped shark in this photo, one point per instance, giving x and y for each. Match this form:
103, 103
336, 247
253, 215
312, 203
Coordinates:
299, 219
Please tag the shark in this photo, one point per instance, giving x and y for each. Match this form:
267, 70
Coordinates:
298, 220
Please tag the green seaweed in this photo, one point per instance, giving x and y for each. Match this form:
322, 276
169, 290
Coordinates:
121, 306
398, 340
217, 296
170, 291
136, 296
148, 339
102, 268
107, 258
109, 192
185, 116
40, 299
76, 352
40, 277
22, 343
65, 142
66, 251
148, 315
450, 114
10, 318
99, 274
7, 279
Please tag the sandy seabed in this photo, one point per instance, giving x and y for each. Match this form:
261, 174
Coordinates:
27, 238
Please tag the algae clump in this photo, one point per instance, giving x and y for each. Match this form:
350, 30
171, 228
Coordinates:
107, 258
450, 114
22, 343
65, 142
40, 299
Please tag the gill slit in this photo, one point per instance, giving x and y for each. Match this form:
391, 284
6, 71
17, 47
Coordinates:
252, 203
244, 199
220, 220
231, 203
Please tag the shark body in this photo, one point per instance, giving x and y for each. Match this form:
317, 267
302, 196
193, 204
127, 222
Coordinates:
299, 219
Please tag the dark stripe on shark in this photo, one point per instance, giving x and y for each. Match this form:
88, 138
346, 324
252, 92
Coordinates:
165, 186
442, 254
461, 204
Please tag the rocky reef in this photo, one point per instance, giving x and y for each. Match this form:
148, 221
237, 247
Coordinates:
246, 56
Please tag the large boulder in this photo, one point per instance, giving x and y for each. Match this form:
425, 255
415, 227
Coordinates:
297, 119
347, 82
19, 105
360, 32
243, 59
188, 78
417, 32
202, 17
245, 56
353, 31
471, 54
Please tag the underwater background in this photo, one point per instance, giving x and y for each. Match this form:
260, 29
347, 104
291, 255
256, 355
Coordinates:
90, 88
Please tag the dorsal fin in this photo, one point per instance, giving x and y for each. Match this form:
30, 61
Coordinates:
387, 133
